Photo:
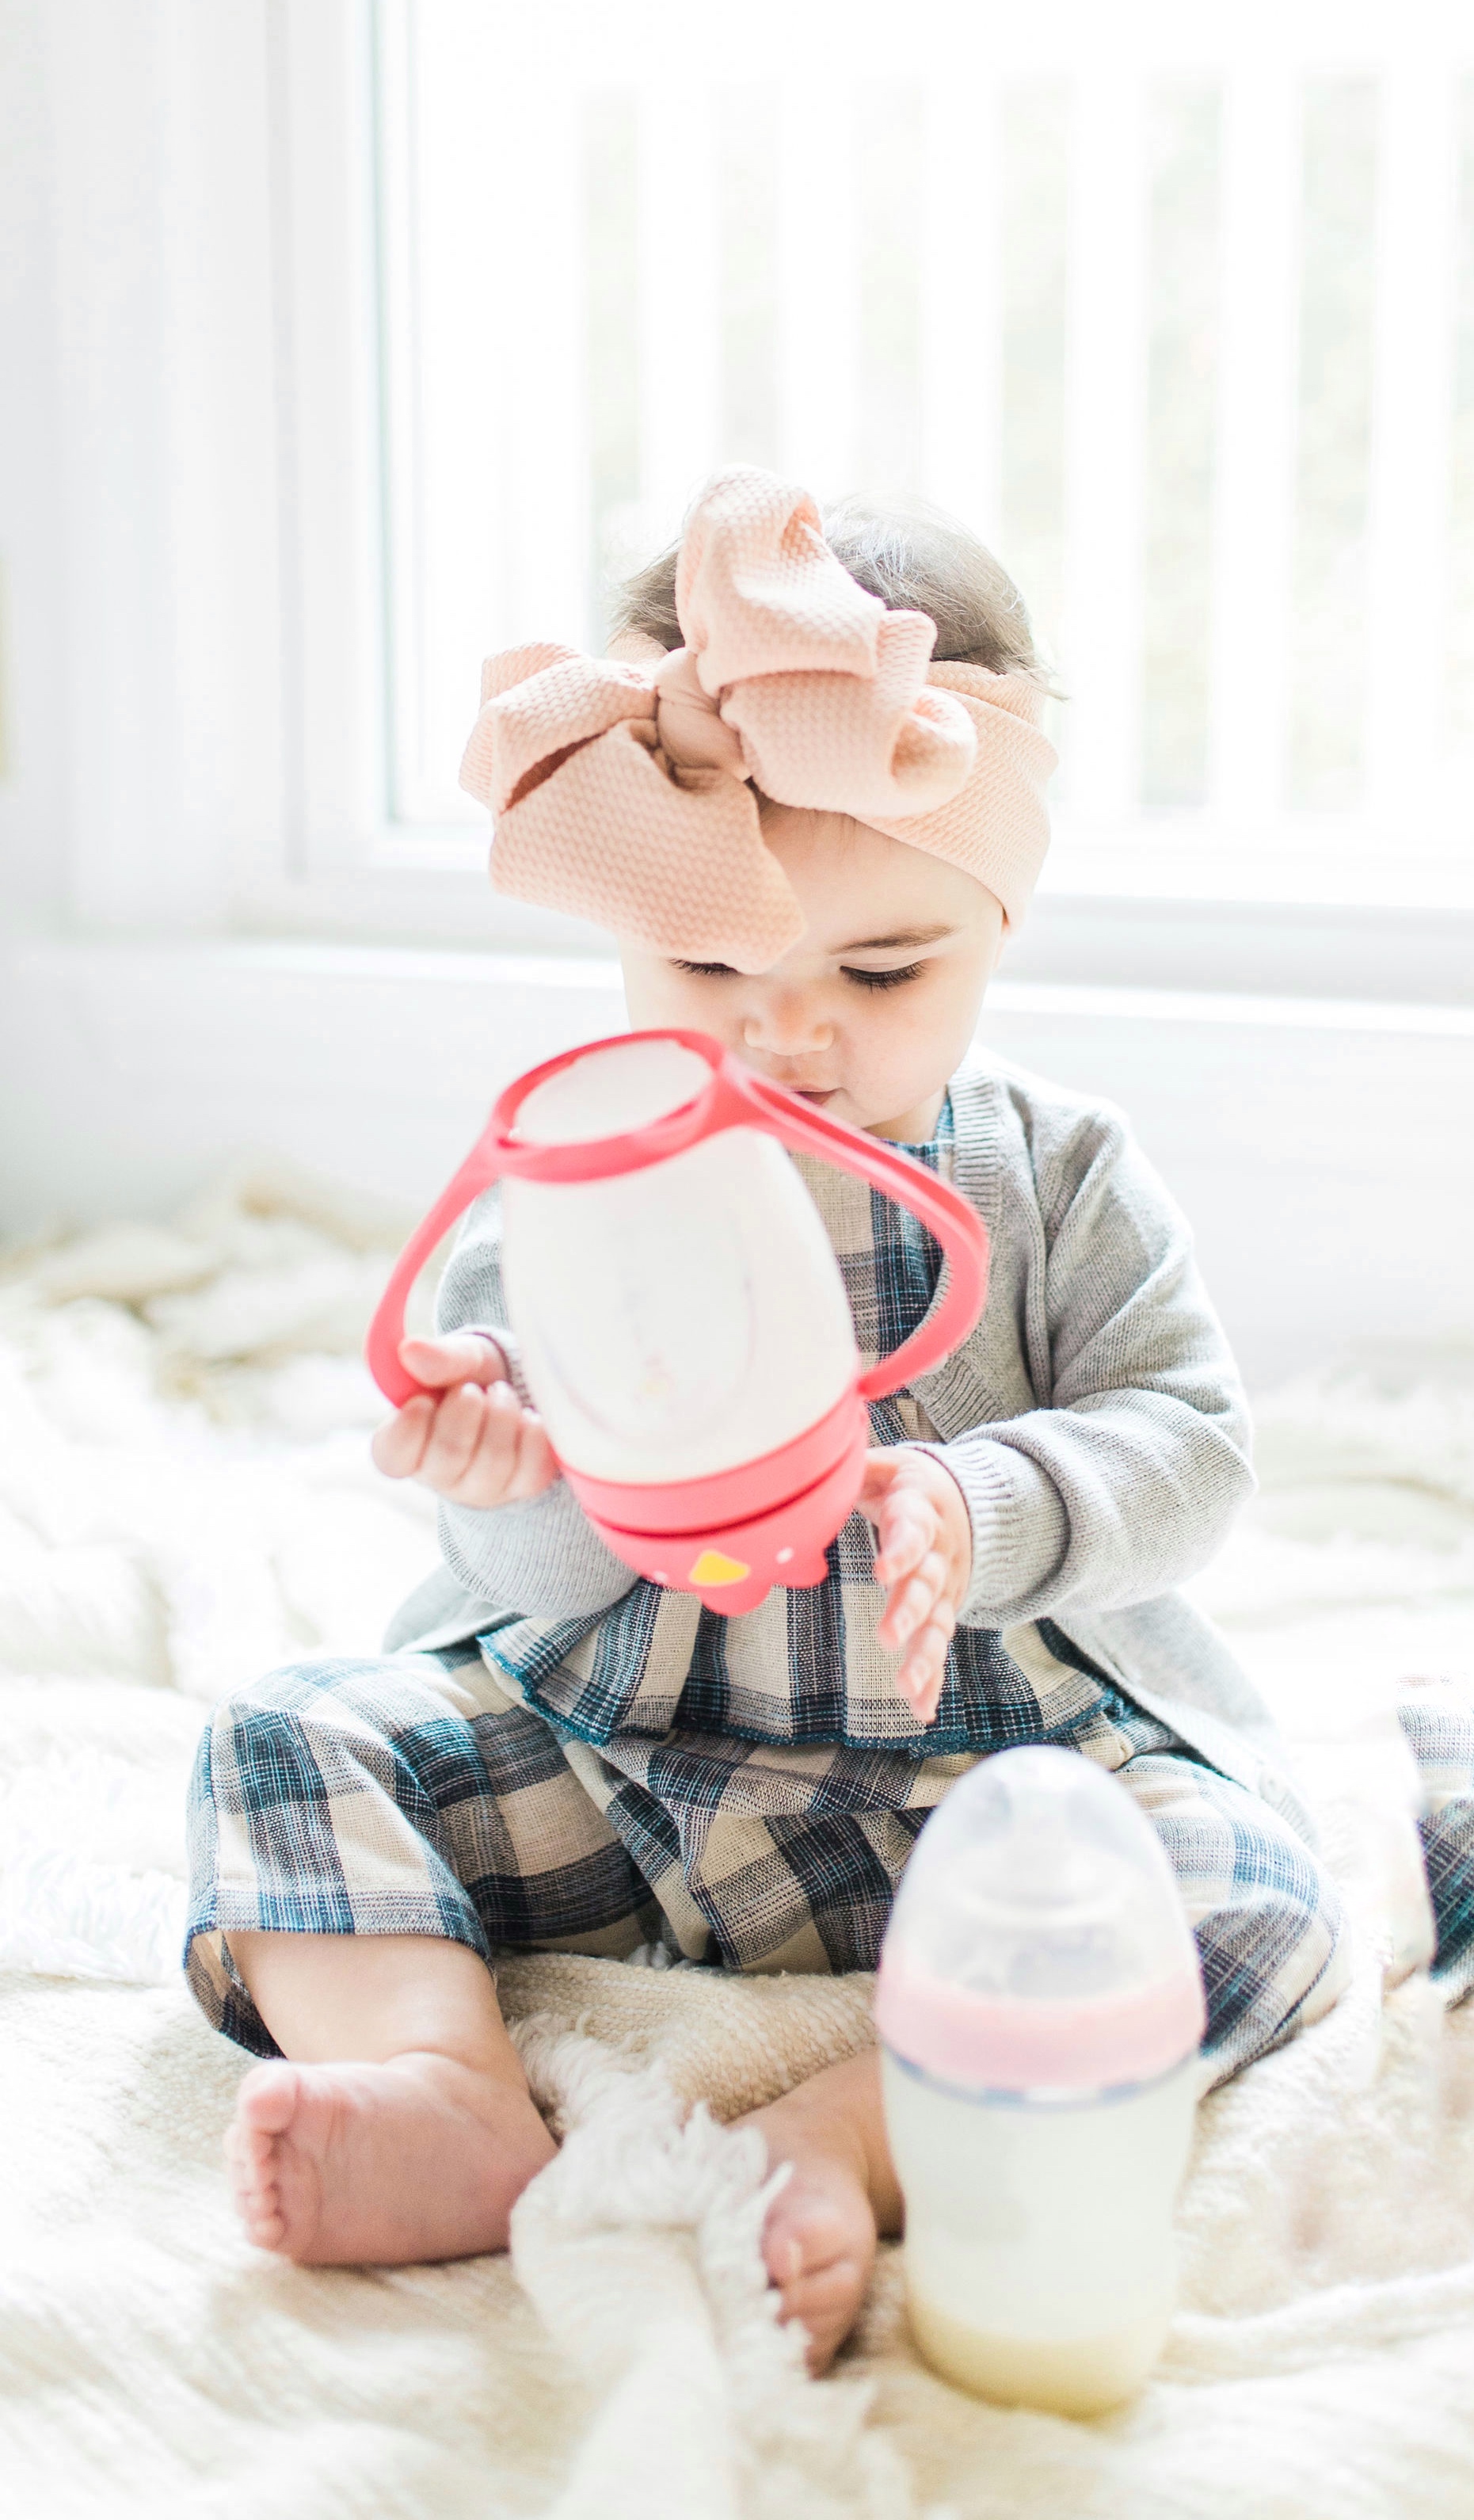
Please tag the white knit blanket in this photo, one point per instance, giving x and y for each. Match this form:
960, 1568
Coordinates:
185, 1499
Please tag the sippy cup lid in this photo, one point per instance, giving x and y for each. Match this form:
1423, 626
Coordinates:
1039, 1941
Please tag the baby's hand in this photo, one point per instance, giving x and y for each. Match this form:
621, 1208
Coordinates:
475, 1443
923, 1557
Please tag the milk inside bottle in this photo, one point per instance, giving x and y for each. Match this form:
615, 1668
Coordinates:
1040, 2008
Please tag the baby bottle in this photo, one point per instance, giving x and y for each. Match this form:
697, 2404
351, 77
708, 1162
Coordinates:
1040, 2008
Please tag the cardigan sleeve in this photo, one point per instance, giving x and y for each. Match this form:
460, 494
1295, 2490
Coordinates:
540, 1556
1126, 1481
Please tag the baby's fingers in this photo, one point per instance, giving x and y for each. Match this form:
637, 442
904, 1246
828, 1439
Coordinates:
534, 1463
911, 1604
398, 1445
466, 1356
922, 1674
493, 1451
904, 1520
472, 1442
905, 1529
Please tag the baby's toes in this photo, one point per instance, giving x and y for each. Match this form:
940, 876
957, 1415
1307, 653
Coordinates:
263, 2222
267, 2100
257, 2200
818, 2247
826, 2303
252, 2161
804, 2233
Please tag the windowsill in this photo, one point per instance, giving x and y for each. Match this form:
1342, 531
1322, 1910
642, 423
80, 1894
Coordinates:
1332, 863
1261, 948
351, 962
432, 890
1295, 1130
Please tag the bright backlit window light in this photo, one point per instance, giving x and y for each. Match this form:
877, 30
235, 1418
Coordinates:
1182, 323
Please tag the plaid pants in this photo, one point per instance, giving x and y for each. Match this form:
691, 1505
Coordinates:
1438, 1725
413, 1794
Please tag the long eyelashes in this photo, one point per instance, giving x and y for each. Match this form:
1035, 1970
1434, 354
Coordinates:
861, 979
882, 979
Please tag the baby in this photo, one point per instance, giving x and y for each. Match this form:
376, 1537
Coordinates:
807, 797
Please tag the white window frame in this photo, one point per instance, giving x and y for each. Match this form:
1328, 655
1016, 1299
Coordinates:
345, 864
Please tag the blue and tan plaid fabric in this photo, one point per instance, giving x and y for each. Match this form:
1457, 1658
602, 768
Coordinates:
410, 1794
1438, 1725
744, 1792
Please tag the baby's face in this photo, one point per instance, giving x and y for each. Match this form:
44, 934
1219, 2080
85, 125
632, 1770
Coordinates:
873, 1007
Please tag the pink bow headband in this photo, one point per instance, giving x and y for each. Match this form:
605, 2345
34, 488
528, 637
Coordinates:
628, 794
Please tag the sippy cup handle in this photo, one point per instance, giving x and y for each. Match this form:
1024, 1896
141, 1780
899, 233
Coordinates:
483, 1166
944, 1212
733, 1098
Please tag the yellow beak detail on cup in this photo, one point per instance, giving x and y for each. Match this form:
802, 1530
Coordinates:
711, 1567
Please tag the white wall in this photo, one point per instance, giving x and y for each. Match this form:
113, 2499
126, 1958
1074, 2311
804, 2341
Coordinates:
1321, 1141
1323, 1151
32, 643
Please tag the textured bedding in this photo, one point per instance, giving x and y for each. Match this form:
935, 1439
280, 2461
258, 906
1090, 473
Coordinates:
185, 1499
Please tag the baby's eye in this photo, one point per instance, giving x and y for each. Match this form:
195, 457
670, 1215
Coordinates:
883, 979
705, 971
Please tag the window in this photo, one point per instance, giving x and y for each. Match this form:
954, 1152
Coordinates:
1175, 307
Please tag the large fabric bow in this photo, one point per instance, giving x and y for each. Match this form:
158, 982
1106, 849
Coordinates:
628, 794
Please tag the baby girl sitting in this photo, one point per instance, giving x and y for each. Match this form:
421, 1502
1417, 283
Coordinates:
808, 801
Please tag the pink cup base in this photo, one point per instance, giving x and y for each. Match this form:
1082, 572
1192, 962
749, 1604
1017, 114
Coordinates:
732, 1565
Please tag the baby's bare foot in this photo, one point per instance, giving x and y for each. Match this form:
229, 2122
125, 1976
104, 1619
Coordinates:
382, 2165
819, 2241
819, 2246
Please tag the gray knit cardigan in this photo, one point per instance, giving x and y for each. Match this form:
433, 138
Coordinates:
1095, 1421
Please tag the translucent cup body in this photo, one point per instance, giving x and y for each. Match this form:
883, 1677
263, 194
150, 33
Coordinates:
680, 1319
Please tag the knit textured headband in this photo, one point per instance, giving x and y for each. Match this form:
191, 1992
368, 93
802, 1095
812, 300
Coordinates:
628, 794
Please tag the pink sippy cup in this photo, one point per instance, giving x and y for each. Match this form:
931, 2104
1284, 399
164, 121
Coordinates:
680, 1317
1039, 2007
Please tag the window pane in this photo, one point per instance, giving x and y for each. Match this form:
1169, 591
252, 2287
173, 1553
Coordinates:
1136, 309
1034, 221
747, 124
888, 148
1180, 414
1462, 466
612, 210
1333, 456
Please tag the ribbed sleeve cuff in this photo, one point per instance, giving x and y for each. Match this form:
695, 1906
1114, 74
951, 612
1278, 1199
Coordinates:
506, 1341
1020, 1530
540, 1556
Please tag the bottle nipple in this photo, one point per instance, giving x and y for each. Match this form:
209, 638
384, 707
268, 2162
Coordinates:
1039, 1936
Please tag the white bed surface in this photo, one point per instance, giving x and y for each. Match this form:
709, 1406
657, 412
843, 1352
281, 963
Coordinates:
185, 1499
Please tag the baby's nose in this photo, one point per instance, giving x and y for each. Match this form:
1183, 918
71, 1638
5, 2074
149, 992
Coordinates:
786, 1026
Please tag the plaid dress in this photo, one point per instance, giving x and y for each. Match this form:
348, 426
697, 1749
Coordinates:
743, 1791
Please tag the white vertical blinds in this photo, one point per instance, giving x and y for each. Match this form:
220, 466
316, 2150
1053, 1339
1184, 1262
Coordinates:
1181, 321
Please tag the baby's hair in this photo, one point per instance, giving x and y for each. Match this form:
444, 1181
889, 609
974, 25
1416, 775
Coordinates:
914, 557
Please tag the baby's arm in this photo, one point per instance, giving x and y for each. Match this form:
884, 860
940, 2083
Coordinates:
1125, 1483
